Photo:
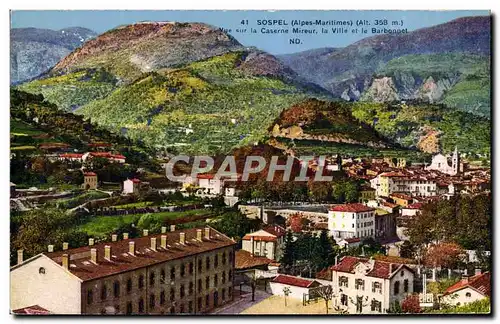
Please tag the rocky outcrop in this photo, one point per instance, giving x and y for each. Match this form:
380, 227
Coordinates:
34, 51
381, 90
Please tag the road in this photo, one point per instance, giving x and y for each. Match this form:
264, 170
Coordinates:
240, 304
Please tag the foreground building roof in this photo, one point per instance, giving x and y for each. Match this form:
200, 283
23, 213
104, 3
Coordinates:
352, 208
31, 310
122, 260
377, 269
245, 260
295, 281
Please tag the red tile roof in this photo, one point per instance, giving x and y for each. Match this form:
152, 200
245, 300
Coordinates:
259, 238
122, 261
89, 174
107, 155
352, 240
31, 310
294, 281
352, 208
245, 260
380, 269
401, 196
134, 180
415, 206
481, 283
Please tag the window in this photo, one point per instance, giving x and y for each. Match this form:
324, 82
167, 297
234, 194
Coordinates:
141, 305
199, 265
376, 306
224, 258
216, 281
199, 285
41, 270
152, 301
396, 288
207, 300
207, 263
116, 289
223, 294
468, 295
172, 273
162, 297
405, 285
377, 287
172, 310
402, 273
104, 292
182, 291
343, 281
216, 260
191, 268
207, 283
343, 299
200, 303
162, 276
191, 288
231, 256
183, 270
359, 284
352, 225
172, 294
129, 285
129, 308
152, 278
359, 304
141, 282
90, 296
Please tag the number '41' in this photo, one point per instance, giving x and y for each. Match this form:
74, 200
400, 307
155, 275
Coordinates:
244, 22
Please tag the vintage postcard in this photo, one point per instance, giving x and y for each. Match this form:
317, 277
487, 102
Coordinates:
250, 162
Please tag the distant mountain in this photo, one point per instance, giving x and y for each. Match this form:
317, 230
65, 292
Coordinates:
34, 50
185, 86
367, 66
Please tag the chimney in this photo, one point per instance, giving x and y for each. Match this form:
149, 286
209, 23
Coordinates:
65, 245
50, 248
65, 261
163, 229
153, 243
131, 247
145, 232
20, 256
107, 252
172, 228
163, 242
114, 237
253, 245
182, 238
207, 233
198, 234
125, 236
91, 241
390, 268
93, 255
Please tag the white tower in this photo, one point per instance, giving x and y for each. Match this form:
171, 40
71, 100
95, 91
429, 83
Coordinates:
455, 161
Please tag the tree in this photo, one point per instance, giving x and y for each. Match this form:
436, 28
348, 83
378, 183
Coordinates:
296, 222
443, 255
411, 304
286, 292
325, 292
288, 257
234, 224
359, 302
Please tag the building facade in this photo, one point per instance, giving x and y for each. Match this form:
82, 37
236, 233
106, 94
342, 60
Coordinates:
390, 182
267, 242
367, 286
179, 272
440, 163
351, 220
89, 180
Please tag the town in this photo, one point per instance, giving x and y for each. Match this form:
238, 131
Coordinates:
218, 245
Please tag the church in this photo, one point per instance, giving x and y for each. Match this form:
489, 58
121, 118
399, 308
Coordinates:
440, 163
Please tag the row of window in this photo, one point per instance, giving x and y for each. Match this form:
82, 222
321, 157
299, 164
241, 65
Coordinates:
182, 307
359, 284
358, 216
140, 284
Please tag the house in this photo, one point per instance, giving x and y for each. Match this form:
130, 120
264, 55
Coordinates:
267, 242
89, 180
366, 193
468, 289
187, 271
245, 261
368, 286
351, 220
348, 243
118, 158
131, 186
299, 288
76, 157
401, 199
440, 163
413, 184
210, 184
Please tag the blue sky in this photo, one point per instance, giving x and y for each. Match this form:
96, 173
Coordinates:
101, 21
